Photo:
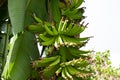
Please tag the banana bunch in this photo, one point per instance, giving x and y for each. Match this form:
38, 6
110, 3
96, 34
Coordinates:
69, 28
58, 65
63, 58
74, 53
73, 11
63, 35
36, 28
73, 69
50, 65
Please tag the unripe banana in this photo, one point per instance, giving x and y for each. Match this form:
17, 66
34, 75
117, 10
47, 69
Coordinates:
63, 74
82, 28
52, 68
36, 28
64, 40
37, 19
68, 74
70, 26
75, 51
57, 42
61, 24
61, 41
73, 31
43, 37
64, 25
54, 30
49, 42
71, 12
85, 38
70, 40
48, 30
58, 71
72, 70
56, 62
45, 61
76, 3
65, 12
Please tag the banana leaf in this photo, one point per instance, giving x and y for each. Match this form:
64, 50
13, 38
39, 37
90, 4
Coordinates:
24, 48
18, 60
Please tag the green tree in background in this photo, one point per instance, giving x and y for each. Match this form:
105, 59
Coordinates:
103, 67
56, 26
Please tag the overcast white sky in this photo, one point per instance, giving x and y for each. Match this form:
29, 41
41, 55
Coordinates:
104, 24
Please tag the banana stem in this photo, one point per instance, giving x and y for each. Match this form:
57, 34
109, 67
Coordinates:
5, 50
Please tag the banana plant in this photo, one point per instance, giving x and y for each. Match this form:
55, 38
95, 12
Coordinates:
60, 37
56, 25
57, 29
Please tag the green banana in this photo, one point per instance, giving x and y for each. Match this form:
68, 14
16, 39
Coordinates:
68, 74
82, 28
57, 42
54, 30
43, 37
63, 74
64, 40
48, 30
65, 11
77, 16
76, 3
85, 38
70, 26
75, 40
61, 41
72, 14
49, 42
36, 28
77, 55
81, 63
52, 68
37, 19
69, 12
61, 24
64, 25
45, 61
56, 61
76, 51
58, 71
73, 31
72, 70
71, 41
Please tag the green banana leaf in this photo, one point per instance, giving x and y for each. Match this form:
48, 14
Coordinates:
23, 49
16, 9
18, 60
